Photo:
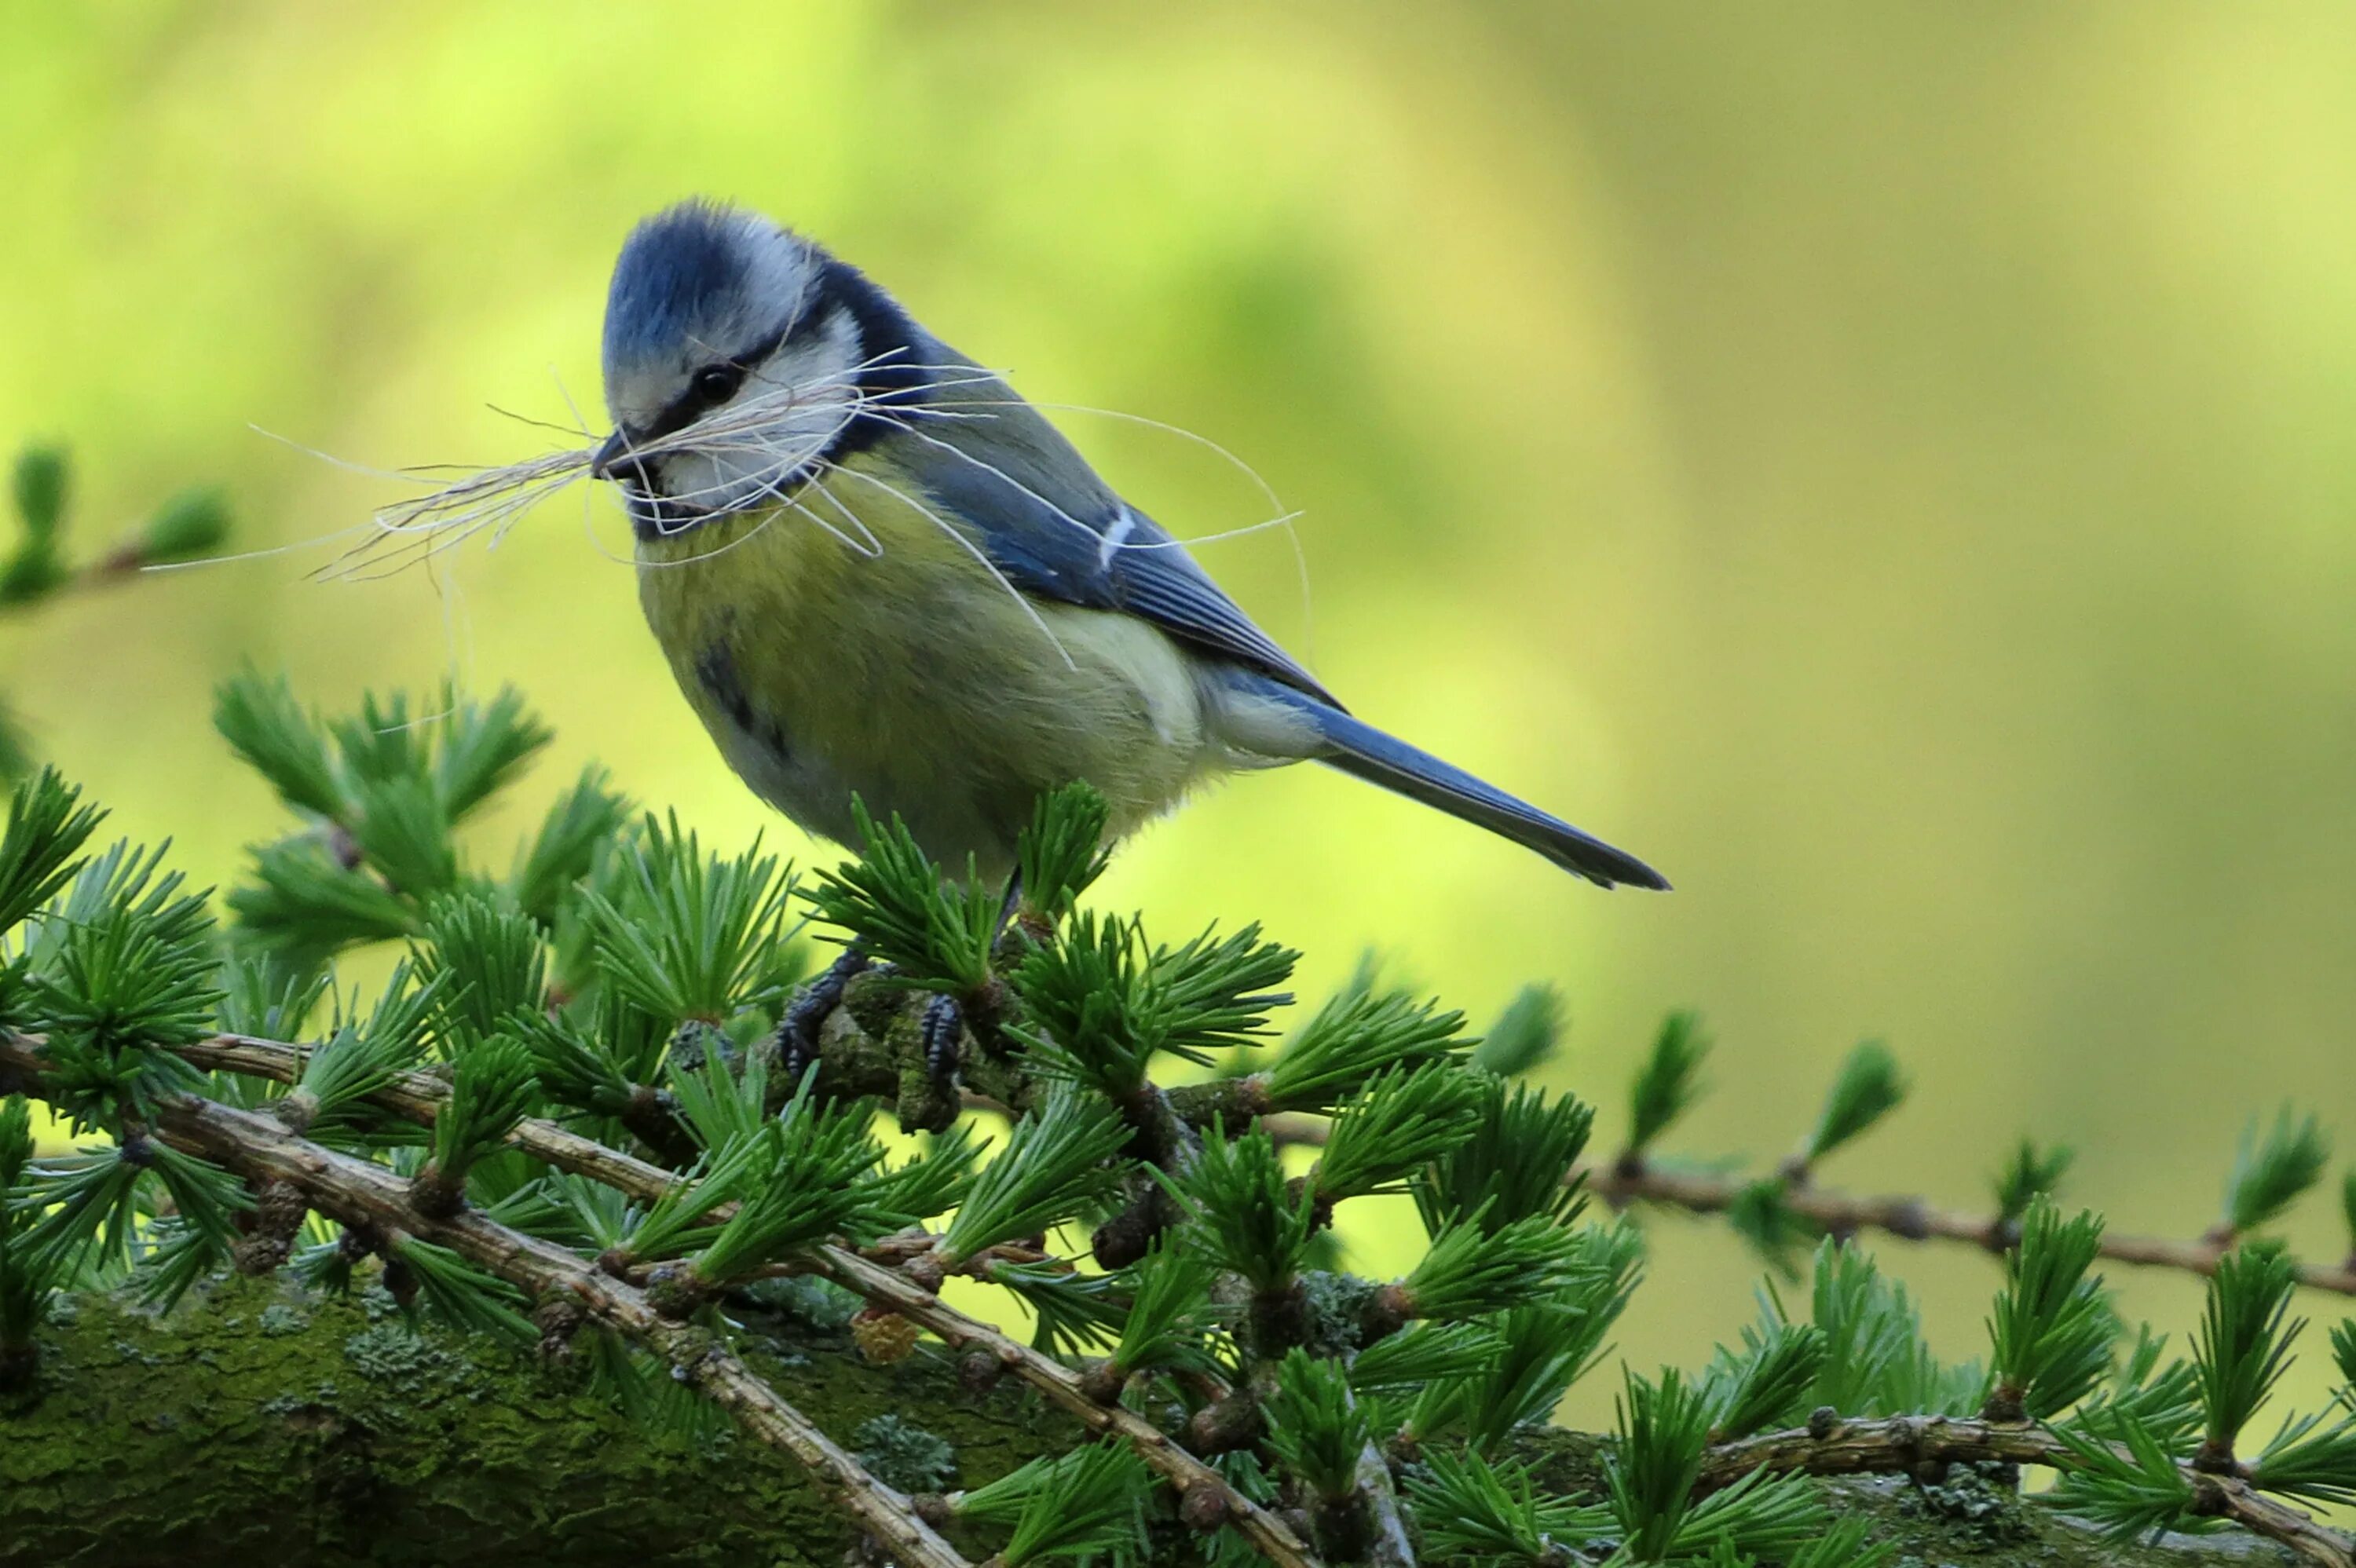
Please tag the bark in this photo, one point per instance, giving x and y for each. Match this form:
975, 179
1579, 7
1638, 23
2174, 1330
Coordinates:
262, 1426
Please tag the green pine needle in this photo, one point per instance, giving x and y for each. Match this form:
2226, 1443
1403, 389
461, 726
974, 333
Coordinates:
1424, 1354
1315, 1429
172, 1258
1761, 1517
16, 1151
1403, 1120
2165, 1398
2052, 1327
1548, 1348
207, 1198
16, 746
493, 1088
403, 829
692, 936
1520, 1158
42, 481
480, 747
87, 1208
1062, 852
1355, 1036
487, 963
306, 906
1876, 1362
271, 732
575, 1065
1761, 1214
1249, 1220
188, 527
1470, 1510
1214, 993
674, 1224
1843, 1546
461, 1296
1663, 1428
2033, 1172
46, 824
650, 1394
2312, 1461
1102, 1006
1869, 1087
1170, 1317
1073, 1313
383, 741
1093, 1016
807, 1186
1668, 1081
1767, 1385
931, 1184
29, 1276
1086, 1504
2343, 1351
264, 996
1000, 1503
2243, 1347
2123, 1480
893, 898
723, 1096
1472, 1271
1527, 1034
2272, 1173
33, 571
124, 971
1063, 1156
584, 820
359, 1059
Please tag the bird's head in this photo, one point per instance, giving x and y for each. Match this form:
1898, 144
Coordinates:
736, 356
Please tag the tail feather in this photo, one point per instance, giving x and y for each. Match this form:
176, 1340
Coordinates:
1359, 749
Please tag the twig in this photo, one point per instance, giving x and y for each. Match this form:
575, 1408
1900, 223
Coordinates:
367, 1196
1900, 1443
1914, 1220
1623, 1183
1061, 1386
417, 1096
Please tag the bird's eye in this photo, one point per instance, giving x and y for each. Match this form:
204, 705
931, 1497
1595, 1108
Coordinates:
718, 383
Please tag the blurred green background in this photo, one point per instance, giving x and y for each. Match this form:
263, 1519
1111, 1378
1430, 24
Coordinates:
1890, 467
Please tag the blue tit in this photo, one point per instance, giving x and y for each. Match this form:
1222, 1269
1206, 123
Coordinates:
876, 571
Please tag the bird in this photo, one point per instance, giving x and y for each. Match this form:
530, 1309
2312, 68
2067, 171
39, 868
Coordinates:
879, 573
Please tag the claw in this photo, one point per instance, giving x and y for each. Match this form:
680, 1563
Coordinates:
941, 1027
797, 1030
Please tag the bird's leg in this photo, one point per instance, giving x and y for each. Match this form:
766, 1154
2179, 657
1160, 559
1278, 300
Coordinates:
797, 1038
1018, 929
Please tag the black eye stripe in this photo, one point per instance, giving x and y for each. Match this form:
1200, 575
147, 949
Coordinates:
702, 395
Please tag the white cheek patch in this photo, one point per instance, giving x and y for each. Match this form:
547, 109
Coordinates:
788, 413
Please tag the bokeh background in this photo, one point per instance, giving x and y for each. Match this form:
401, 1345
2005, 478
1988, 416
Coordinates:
1891, 466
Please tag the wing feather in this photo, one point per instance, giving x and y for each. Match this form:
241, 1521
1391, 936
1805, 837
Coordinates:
1047, 520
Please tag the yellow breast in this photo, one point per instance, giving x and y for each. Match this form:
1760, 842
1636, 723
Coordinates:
847, 642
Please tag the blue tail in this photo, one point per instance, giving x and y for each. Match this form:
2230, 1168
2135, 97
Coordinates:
1357, 747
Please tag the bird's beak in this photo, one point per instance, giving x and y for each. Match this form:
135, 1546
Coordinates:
609, 461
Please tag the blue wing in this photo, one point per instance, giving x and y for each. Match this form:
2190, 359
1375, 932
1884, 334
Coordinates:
1057, 532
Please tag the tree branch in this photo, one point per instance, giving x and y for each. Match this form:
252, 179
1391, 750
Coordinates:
1622, 1183
1897, 1443
372, 1198
417, 1096
1914, 1220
